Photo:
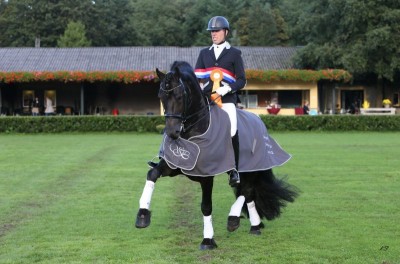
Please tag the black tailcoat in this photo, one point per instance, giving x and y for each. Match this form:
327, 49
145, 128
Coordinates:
230, 60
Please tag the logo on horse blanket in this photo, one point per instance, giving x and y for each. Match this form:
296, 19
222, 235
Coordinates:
212, 153
179, 153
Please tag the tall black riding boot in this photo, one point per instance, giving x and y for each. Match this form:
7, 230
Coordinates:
234, 178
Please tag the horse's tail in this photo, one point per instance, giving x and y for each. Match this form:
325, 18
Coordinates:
269, 193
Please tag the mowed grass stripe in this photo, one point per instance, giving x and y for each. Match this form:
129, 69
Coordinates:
59, 187
347, 211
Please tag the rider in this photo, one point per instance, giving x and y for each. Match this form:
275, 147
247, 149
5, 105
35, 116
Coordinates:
221, 55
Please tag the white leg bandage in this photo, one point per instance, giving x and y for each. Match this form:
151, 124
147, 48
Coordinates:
231, 110
146, 195
208, 231
236, 208
254, 217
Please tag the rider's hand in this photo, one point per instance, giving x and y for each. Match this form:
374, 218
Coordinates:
223, 90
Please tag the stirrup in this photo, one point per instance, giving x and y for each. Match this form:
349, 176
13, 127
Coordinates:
152, 164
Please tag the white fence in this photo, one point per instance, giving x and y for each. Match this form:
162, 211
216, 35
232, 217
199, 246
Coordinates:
378, 111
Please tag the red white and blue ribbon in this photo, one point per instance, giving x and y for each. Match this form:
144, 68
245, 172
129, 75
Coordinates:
228, 76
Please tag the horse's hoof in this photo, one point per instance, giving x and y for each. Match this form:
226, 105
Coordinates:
208, 244
233, 223
261, 225
143, 218
255, 230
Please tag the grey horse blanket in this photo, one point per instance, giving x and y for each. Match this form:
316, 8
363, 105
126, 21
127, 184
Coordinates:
212, 153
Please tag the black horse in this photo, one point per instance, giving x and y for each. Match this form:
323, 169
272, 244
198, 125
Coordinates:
187, 115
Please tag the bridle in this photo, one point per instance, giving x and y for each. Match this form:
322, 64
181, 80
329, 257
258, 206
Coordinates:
181, 116
187, 102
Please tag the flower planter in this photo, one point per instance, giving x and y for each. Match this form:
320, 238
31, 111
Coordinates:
273, 111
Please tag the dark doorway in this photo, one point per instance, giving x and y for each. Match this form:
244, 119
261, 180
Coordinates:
351, 98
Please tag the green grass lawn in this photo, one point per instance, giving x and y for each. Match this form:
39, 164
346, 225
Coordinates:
73, 198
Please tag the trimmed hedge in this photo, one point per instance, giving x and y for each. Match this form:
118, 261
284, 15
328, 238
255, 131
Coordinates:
58, 124
332, 123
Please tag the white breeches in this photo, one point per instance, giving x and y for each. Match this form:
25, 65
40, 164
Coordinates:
230, 108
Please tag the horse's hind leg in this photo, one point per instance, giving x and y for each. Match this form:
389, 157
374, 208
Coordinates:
234, 214
255, 219
249, 192
245, 193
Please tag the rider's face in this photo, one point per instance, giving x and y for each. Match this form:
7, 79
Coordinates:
218, 36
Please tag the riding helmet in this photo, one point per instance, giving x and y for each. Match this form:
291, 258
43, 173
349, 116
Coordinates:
217, 23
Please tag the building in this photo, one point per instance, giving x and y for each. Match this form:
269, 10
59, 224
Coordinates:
106, 80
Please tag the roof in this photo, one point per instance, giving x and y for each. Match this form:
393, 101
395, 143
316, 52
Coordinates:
130, 58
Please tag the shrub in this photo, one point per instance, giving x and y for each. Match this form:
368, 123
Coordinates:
58, 124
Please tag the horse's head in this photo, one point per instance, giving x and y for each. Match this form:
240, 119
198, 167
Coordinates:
173, 95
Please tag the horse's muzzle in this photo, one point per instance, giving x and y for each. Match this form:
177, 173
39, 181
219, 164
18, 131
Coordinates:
173, 130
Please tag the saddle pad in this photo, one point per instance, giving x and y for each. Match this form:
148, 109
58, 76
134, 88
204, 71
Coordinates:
180, 153
212, 153
216, 152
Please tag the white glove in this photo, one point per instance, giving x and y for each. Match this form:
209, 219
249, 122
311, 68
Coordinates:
223, 90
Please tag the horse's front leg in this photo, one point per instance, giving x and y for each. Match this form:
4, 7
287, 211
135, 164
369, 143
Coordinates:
144, 215
206, 208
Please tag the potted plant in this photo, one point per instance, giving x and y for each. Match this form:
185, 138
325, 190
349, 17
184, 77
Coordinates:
386, 103
365, 104
273, 109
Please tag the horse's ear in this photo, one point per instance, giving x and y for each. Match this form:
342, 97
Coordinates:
160, 74
177, 72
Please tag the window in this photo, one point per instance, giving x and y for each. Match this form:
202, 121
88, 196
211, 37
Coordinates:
290, 98
27, 97
249, 100
396, 99
51, 94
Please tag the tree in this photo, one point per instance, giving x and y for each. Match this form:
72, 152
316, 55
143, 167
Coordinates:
260, 24
74, 36
360, 36
159, 23
15, 15
109, 23
23, 21
257, 25
198, 15
282, 35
